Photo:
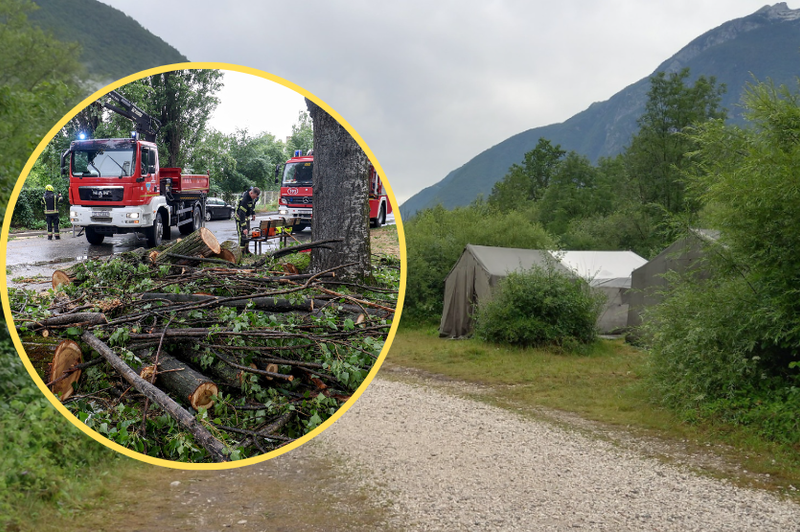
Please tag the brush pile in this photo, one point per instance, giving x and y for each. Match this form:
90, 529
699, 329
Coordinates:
190, 357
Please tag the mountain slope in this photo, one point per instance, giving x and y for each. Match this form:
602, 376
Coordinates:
763, 45
114, 45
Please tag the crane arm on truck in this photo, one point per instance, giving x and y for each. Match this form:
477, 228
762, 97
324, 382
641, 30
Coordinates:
146, 125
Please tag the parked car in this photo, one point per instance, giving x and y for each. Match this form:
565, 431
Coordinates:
217, 209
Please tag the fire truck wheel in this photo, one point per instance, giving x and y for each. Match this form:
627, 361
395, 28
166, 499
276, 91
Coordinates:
381, 219
155, 234
93, 237
186, 229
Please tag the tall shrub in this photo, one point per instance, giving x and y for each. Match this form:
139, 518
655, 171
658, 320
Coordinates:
540, 307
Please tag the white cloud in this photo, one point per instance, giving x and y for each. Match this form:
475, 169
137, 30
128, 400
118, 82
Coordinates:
428, 85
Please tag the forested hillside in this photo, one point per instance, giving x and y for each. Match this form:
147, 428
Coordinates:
764, 45
113, 45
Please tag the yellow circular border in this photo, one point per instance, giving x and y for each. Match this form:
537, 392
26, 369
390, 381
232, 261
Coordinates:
29, 366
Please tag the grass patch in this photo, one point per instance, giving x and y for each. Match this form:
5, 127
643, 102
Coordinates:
606, 385
384, 240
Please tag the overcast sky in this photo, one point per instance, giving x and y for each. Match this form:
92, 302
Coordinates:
429, 85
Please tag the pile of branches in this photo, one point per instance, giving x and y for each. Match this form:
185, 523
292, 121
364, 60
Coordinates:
199, 359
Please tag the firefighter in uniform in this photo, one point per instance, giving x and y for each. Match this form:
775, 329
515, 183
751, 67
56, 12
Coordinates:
50, 202
246, 209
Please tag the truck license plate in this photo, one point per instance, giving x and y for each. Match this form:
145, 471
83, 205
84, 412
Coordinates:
102, 214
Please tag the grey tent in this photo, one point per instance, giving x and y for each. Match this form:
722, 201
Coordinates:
648, 281
480, 268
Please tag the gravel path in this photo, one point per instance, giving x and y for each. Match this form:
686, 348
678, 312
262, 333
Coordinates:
445, 463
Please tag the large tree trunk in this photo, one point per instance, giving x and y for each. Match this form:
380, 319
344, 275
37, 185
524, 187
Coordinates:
341, 197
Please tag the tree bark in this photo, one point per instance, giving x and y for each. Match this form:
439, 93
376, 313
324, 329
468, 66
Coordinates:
204, 438
341, 197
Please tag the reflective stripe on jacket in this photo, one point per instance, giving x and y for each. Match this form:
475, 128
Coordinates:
50, 201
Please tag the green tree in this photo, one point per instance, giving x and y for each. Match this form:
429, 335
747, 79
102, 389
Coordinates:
575, 191
749, 182
38, 84
655, 158
525, 183
302, 137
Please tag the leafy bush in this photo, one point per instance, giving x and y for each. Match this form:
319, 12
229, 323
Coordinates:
540, 307
435, 239
712, 360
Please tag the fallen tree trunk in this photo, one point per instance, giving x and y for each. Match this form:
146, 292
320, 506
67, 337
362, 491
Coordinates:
177, 377
294, 249
204, 438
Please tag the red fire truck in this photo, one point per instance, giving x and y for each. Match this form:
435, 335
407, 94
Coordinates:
117, 187
297, 191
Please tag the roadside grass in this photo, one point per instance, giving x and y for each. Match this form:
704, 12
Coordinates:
384, 240
608, 385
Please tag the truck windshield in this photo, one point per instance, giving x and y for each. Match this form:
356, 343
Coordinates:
103, 162
297, 174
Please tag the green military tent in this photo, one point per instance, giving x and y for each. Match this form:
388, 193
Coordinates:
480, 268
649, 281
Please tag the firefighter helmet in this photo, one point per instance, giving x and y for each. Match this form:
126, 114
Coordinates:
49, 187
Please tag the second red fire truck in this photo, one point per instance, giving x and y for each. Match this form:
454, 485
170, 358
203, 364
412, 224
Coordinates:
297, 191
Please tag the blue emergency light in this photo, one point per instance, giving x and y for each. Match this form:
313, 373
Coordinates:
298, 153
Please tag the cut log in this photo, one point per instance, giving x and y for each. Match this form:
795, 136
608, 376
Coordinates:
67, 276
68, 353
202, 243
177, 377
271, 368
230, 251
215, 448
78, 318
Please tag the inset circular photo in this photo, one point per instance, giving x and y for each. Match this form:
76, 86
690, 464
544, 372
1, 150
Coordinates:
205, 266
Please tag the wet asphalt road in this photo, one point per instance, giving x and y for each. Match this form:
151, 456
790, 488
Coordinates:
31, 254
